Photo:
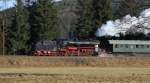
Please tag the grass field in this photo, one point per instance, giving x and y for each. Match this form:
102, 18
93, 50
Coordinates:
75, 75
37, 61
31, 69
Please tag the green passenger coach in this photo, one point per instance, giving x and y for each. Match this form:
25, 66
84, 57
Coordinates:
130, 46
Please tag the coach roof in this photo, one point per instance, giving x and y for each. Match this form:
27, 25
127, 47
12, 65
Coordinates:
129, 42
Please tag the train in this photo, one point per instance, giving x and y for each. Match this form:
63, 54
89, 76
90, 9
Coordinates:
91, 48
67, 48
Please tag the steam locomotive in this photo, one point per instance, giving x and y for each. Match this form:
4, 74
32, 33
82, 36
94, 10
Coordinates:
67, 48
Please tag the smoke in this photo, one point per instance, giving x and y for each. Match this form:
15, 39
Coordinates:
127, 24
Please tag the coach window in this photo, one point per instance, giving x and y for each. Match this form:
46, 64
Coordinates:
137, 46
116, 46
148, 46
126, 46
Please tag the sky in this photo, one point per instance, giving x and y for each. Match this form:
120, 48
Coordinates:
9, 4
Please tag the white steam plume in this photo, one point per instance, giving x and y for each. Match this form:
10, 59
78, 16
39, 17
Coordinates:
126, 24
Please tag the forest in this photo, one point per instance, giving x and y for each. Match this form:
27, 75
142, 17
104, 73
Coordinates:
31, 21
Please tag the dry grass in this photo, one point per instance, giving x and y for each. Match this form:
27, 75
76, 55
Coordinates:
75, 75
90, 71
23, 69
31, 61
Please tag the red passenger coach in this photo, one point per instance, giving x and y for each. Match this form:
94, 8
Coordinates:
69, 48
